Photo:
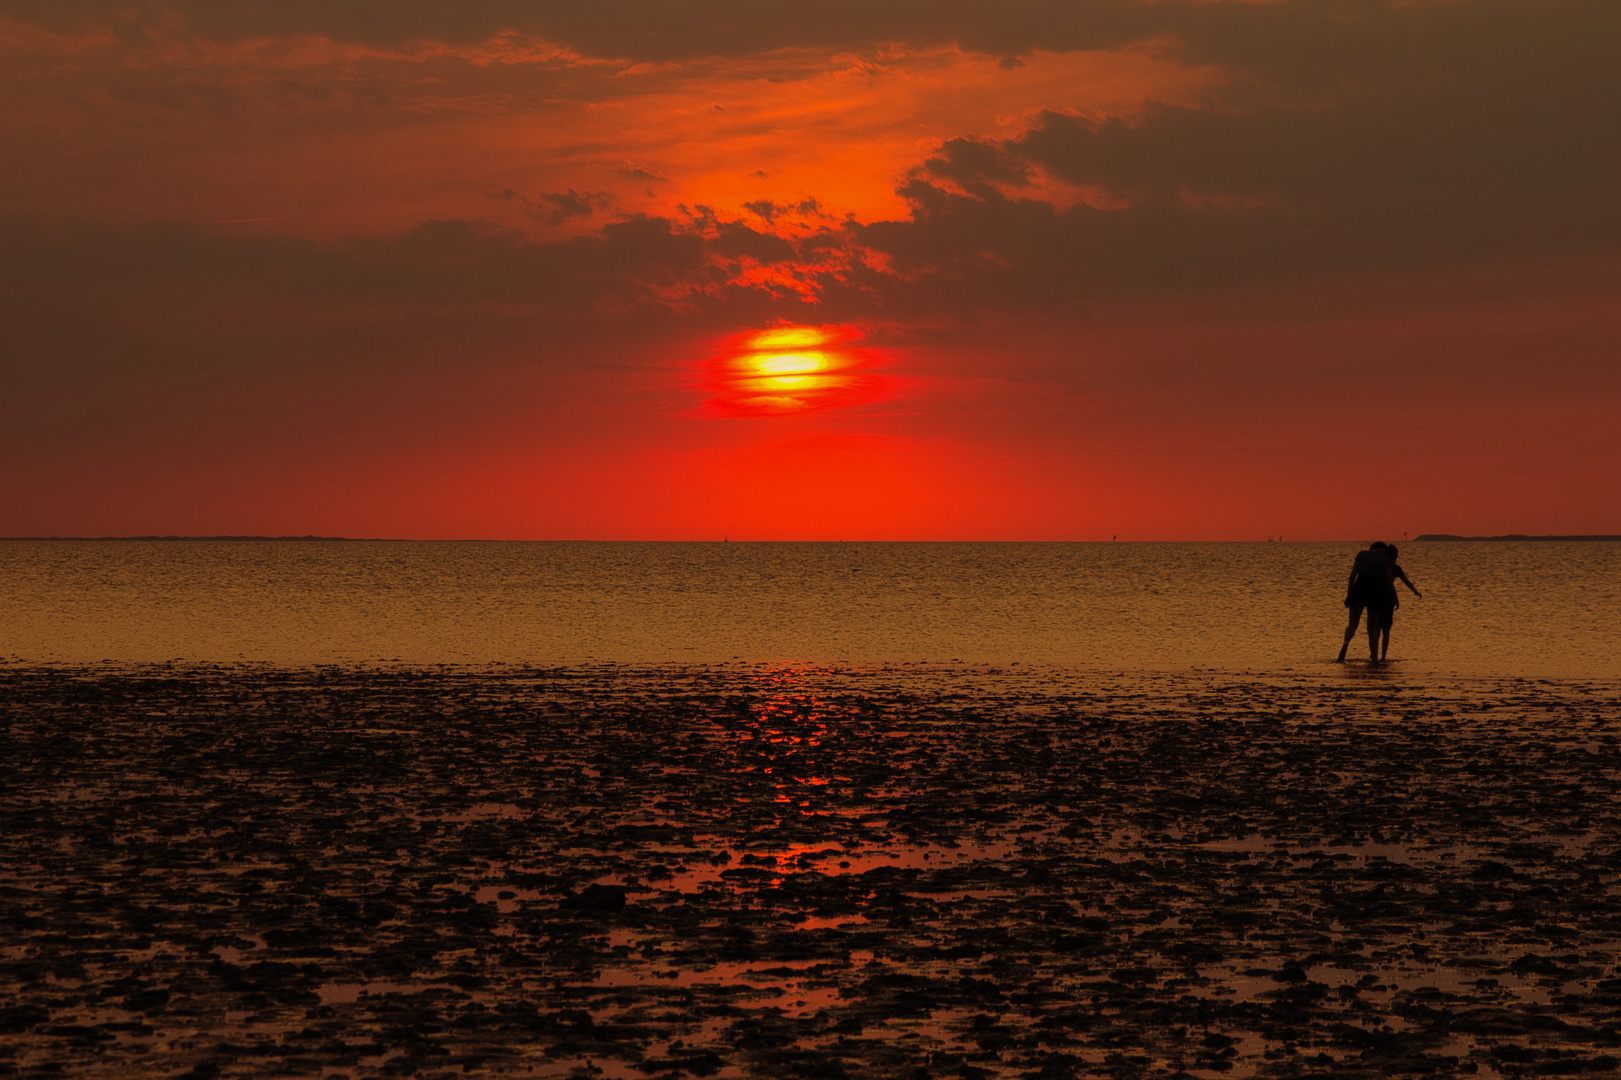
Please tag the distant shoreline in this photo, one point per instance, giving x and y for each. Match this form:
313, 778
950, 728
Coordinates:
98, 538
1511, 536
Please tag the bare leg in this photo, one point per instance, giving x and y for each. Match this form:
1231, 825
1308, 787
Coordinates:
1384, 640
1373, 637
1350, 632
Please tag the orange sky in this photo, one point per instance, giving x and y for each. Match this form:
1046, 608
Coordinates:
1175, 270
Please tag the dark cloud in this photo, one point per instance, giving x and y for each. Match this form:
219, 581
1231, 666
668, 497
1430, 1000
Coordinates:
770, 211
1492, 142
631, 172
977, 165
557, 207
573, 204
140, 285
449, 261
735, 240
1298, 42
650, 30
967, 252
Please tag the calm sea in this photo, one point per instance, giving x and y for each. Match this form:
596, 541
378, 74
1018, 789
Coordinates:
1541, 609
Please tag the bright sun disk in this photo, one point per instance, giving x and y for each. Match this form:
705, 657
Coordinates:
788, 337
788, 363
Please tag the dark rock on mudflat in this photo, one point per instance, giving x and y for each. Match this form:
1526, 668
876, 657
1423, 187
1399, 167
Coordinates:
703, 1063
595, 898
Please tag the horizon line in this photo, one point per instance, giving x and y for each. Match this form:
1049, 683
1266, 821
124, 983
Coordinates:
312, 538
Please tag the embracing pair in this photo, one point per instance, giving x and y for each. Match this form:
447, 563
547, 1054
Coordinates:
1373, 586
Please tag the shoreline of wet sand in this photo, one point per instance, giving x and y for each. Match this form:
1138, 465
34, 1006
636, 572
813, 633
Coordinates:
749, 870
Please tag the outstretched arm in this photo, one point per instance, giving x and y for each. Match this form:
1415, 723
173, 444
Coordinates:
1404, 580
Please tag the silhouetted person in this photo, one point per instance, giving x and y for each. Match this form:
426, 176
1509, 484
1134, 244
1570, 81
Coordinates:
1387, 614
1370, 578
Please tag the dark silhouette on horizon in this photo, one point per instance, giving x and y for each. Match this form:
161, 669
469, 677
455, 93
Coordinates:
207, 538
1511, 536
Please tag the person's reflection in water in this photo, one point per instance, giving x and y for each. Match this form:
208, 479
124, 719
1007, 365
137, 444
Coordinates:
1389, 601
1370, 576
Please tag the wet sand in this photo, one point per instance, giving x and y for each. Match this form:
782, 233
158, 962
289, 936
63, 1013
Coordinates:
914, 871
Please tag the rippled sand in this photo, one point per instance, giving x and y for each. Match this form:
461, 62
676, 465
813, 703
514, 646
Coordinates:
808, 872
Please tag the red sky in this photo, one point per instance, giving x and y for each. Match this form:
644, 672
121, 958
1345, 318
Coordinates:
1064, 270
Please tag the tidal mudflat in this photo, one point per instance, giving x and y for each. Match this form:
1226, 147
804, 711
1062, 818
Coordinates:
911, 871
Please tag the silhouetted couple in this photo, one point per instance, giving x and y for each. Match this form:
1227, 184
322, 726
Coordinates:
1374, 574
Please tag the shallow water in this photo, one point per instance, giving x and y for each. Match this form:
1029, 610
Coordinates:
1530, 609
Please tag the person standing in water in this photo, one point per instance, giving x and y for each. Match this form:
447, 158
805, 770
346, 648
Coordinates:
1386, 612
1370, 576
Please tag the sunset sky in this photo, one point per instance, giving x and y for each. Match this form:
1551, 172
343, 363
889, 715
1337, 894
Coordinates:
656, 269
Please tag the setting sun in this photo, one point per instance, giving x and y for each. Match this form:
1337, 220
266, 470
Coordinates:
790, 369
789, 337
782, 364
